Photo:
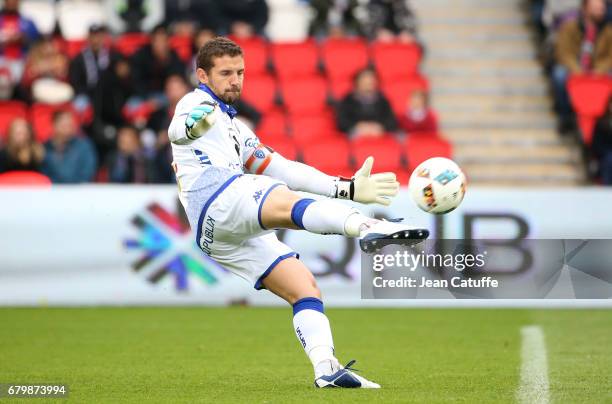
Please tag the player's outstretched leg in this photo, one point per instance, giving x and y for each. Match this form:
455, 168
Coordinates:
292, 281
284, 208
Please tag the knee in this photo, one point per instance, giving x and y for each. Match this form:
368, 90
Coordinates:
309, 289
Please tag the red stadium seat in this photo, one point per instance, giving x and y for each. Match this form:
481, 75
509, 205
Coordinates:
287, 149
340, 88
305, 96
260, 91
182, 45
344, 57
386, 150
589, 96
306, 129
41, 117
424, 146
295, 59
398, 91
24, 178
74, 47
272, 125
395, 60
9, 110
255, 56
332, 156
128, 44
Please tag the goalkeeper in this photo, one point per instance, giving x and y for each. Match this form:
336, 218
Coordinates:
236, 191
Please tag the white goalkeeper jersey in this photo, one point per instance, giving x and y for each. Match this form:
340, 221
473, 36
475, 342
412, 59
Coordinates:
202, 166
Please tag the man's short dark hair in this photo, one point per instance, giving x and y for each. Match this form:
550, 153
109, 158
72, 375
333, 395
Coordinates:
215, 48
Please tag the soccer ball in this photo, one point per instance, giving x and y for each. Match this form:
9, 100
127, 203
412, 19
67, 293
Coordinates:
437, 185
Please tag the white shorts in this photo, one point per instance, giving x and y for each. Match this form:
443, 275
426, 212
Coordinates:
230, 230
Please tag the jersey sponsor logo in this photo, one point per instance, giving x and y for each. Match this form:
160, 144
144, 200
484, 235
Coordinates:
203, 158
251, 142
257, 195
208, 235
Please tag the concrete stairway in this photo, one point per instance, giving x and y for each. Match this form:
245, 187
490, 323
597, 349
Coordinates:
491, 95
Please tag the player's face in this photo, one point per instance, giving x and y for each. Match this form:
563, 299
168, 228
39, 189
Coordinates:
226, 78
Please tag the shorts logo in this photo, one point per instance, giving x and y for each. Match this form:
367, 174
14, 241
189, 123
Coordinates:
202, 157
257, 195
208, 235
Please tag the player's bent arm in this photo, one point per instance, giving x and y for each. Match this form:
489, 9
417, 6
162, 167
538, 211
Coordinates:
363, 187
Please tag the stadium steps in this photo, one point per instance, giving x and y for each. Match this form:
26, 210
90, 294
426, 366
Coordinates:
491, 95
490, 103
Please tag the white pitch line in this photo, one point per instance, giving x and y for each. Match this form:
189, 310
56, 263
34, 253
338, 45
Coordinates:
534, 367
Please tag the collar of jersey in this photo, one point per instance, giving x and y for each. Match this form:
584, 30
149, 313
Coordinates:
228, 109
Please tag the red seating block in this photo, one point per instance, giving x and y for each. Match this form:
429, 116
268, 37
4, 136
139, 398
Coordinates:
273, 125
589, 96
421, 147
396, 60
182, 45
260, 91
9, 110
41, 117
286, 148
339, 88
128, 44
344, 57
398, 91
295, 59
24, 178
306, 129
386, 150
332, 156
305, 96
255, 56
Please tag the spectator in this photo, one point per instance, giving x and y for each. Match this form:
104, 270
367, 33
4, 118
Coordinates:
602, 146
335, 18
129, 163
16, 34
365, 111
583, 46
200, 38
90, 74
45, 78
195, 12
153, 63
175, 89
69, 158
390, 19
242, 18
418, 116
22, 152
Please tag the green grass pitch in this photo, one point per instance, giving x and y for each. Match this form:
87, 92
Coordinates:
241, 354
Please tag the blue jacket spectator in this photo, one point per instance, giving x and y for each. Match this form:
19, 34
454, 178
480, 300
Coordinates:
69, 159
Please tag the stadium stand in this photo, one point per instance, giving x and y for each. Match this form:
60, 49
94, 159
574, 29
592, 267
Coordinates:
294, 81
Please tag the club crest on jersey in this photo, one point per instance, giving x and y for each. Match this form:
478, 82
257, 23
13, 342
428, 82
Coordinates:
259, 154
203, 158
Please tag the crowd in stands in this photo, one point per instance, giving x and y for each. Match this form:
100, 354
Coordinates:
97, 108
577, 52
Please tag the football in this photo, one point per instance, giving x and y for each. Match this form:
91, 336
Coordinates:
437, 185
